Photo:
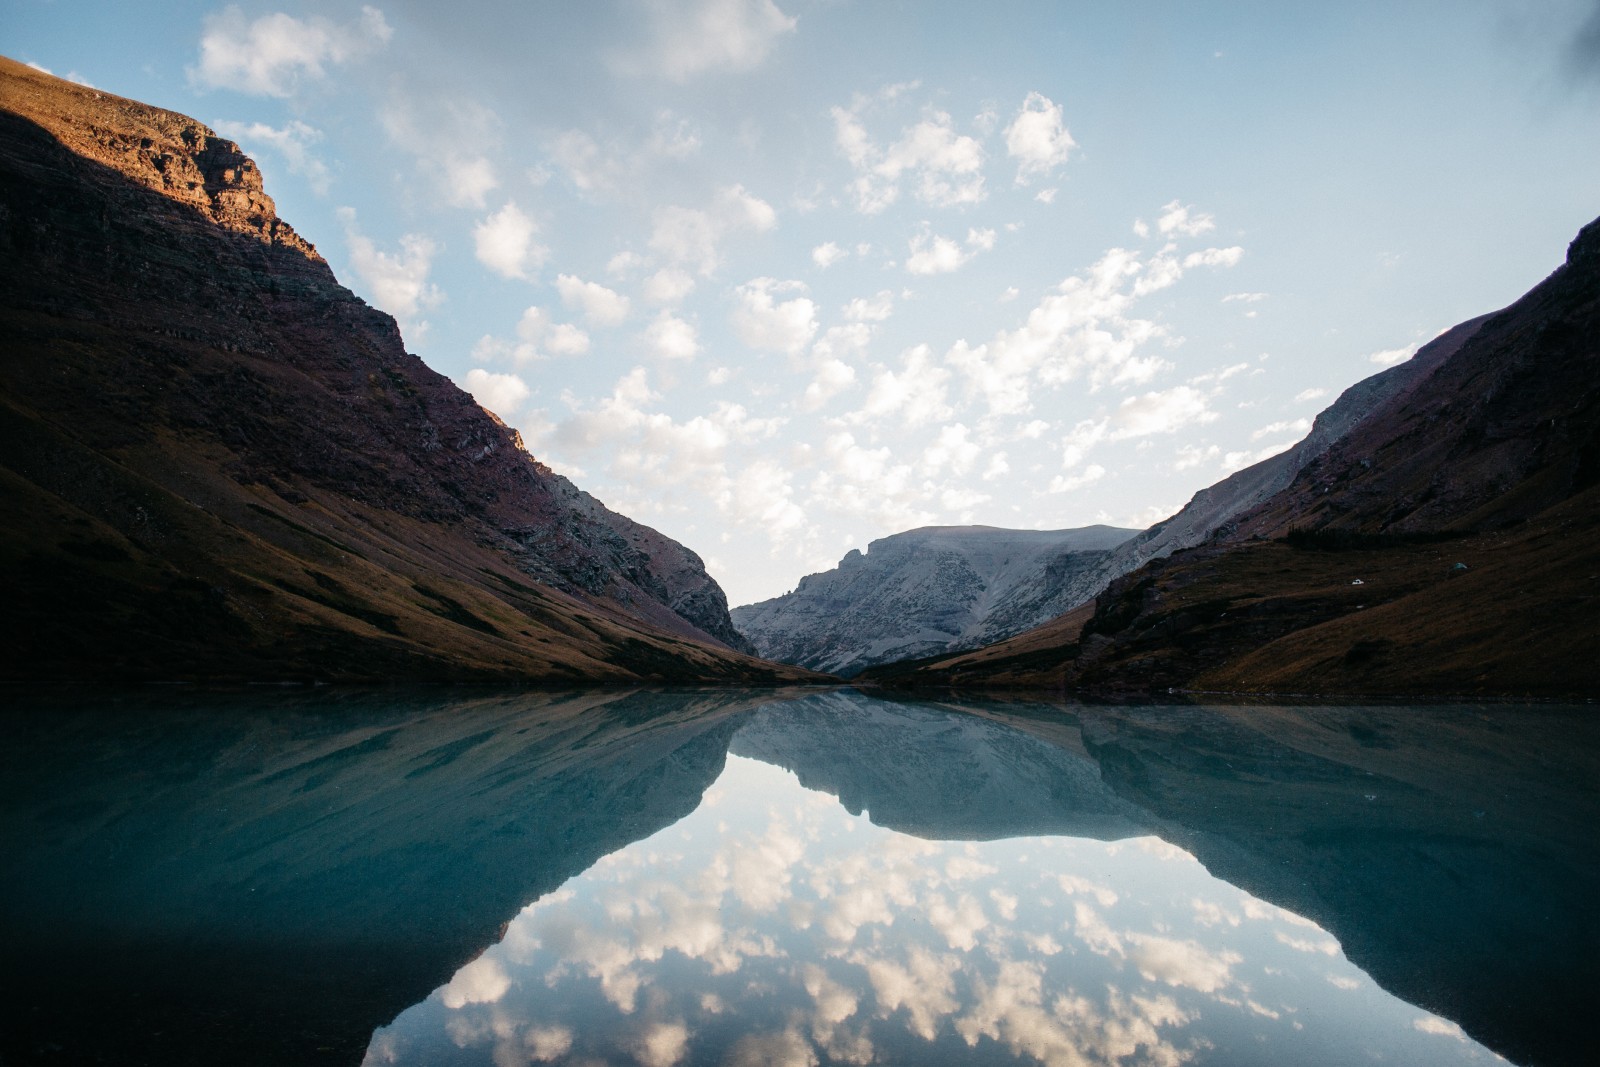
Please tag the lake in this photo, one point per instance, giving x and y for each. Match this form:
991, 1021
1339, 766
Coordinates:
809, 877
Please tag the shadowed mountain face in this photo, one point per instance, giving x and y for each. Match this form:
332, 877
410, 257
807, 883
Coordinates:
268, 880
1445, 543
220, 463
926, 591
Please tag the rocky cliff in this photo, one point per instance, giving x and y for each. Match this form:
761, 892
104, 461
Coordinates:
219, 462
927, 591
1445, 543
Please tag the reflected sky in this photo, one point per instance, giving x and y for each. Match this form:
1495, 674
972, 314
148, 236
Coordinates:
772, 926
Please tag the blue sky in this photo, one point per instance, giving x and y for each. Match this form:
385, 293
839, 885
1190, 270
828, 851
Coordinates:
781, 276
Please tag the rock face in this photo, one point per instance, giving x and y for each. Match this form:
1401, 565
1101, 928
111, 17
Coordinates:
1443, 544
927, 591
222, 463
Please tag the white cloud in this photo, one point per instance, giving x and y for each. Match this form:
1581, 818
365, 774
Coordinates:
448, 137
1084, 329
502, 394
672, 337
565, 339
1066, 483
1389, 357
293, 142
483, 981
764, 322
273, 54
1193, 456
870, 309
826, 255
688, 237
1214, 257
600, 306
1233, 461
933, 254
918, 392
1310, 394
1181, 963
398, 282
1181, 221
953, 450
1160, 412
833, 376
504, 243
537, 337
1046, 196
668, 286
1038, 139
662, 1044
1244, 298
1295, 426
944, 168
694, 37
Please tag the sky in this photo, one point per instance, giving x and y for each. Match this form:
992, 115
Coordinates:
779, 277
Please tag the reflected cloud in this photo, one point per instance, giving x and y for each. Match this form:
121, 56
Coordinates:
773, 927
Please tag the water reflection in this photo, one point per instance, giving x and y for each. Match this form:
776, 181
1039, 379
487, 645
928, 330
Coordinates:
268, 880
771, 926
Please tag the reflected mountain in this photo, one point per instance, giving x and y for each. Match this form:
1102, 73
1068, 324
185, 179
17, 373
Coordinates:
281, 876
265, 880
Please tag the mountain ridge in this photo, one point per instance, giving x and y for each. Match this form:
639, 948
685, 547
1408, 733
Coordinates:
227, 466
923, 591
1443, 545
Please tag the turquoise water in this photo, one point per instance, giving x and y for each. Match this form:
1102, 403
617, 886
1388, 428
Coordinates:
744, 877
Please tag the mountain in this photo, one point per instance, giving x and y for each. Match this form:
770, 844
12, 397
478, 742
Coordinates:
1215, 507
220, 463
1445, 543
926, 591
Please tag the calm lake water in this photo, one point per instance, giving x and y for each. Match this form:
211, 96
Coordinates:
742, 877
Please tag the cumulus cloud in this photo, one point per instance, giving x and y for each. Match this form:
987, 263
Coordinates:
398, 282
599, 306
870, 309
1067, 483
944, 168
504, 242
1038, 139
1389, 357
764, 321
826, 255
1294, 426
292, 141
537, 337
933, 254
1178, 220
918, 392
1085, 329
672, 338
1166, 411
272, 55
694, 37
616, 166
667, 286
502, 394
688, 238
1305, 395
448, 137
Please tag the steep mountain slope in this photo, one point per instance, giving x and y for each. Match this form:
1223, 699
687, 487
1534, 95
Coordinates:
1445, 544
1216, 507
218, 462
926, 591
